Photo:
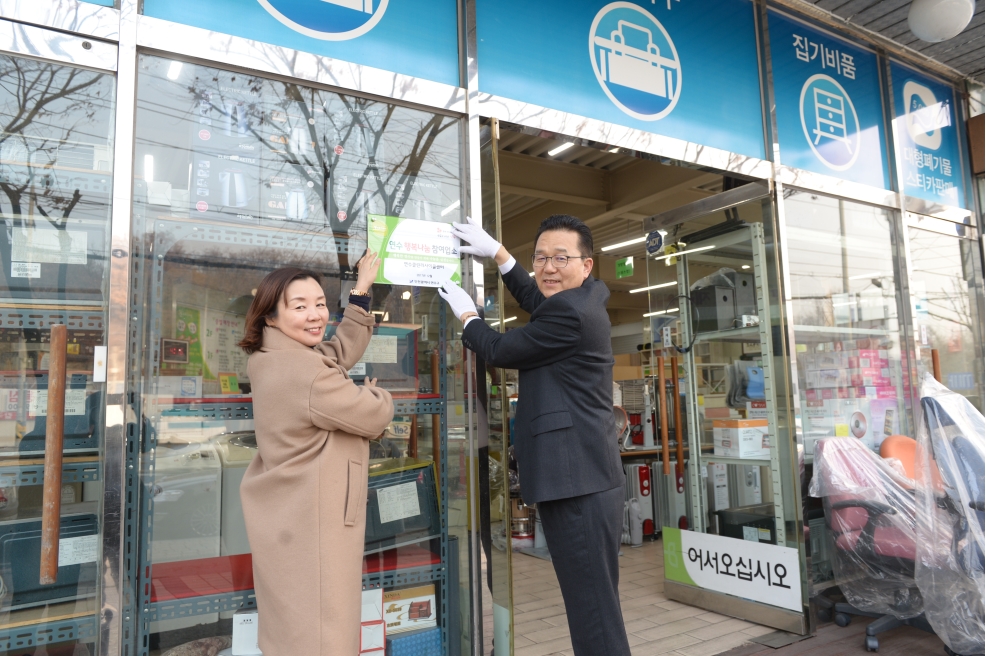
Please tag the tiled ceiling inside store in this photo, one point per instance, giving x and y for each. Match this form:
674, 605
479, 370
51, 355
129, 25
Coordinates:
964, 53
612, 192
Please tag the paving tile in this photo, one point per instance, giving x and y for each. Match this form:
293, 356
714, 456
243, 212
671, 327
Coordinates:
642, 612
523, 628
713, 618
539, 613
719, 629
530, 605
521, 641
545, 648
663, 646
653, 599
757, 630
640, 591
715, 646
679, 614
558, 620
664, 630
638, 625
548, 634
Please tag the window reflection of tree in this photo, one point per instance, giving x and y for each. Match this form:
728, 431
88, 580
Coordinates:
332, 120
50, 115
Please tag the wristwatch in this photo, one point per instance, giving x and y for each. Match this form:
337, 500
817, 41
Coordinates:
356, 292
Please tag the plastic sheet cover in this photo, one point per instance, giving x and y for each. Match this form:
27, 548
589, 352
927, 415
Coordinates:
870, 513
718, 279
949, 472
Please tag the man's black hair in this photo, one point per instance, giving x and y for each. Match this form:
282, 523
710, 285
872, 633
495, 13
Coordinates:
572, 224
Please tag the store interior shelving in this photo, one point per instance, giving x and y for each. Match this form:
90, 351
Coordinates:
228, 585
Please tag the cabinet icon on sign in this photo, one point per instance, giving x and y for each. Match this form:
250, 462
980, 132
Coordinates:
830, 123
635, 61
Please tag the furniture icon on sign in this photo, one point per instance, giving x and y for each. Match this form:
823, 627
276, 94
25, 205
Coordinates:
830, 118
366, 6
640, 68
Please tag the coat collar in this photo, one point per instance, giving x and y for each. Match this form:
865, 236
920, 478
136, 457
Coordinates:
275, 340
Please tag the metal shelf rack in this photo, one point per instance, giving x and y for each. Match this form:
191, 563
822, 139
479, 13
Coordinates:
165, 232
33, 474
752, 234
48, 631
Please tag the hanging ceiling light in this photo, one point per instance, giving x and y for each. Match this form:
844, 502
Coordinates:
939, 20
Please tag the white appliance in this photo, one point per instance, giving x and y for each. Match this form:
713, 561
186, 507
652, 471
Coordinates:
236, 450
731, 486
671, 496
744, 486
639, 486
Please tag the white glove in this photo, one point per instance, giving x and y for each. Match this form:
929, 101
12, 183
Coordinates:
457, 298
480, 243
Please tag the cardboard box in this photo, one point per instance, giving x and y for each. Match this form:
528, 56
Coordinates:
245, 632
622, 372
741, 438
869, 377
827, 378
756, 409
373, 629
410, 608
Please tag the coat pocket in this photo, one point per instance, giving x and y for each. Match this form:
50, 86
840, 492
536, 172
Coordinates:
354, 495
551, 421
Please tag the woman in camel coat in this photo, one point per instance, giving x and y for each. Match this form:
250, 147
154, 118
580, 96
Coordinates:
304, 494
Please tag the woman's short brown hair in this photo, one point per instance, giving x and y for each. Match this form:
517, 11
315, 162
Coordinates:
269, 293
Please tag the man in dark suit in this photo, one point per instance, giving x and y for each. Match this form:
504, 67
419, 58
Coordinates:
564, 437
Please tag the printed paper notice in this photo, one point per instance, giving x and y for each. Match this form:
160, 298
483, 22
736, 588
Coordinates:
78, 550
25, 270
46, 244
398, 502
382, 350
75, 402
420, 253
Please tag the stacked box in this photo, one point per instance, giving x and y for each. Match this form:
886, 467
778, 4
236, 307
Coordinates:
426, 642
409, 608
849, 391
741, 438
869, 377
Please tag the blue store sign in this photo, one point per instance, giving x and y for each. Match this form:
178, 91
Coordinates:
417, 38
685, 69
926, 136
829, 113
333, 20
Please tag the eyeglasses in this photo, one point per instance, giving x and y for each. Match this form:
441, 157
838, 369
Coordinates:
560, 261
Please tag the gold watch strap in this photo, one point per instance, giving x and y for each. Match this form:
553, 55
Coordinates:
356, 292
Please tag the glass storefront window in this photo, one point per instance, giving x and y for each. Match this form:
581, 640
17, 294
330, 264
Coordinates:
56, 146
947, 301
235, 176
846, 320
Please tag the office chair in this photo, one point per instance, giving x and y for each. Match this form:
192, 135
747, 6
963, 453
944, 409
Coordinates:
870, 514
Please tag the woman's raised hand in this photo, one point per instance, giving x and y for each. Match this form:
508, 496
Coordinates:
369, 382
367, 268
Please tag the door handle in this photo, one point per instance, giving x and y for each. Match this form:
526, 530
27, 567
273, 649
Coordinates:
54, 441
678, 428
662, 401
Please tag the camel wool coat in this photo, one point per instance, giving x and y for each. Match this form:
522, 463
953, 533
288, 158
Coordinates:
304, 493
